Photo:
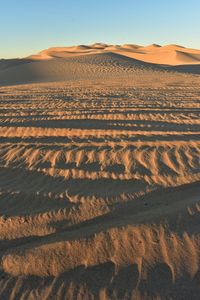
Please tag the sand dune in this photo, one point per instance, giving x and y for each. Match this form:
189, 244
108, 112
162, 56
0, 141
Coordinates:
79, 67
152, 53
99, 174
98, 61
156, 54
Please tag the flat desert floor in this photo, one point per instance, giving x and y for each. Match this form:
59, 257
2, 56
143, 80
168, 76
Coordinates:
99, 183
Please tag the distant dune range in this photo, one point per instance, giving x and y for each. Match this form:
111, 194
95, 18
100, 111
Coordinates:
97, 61
100, 174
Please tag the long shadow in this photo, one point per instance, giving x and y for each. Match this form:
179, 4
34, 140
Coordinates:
159, 281
118, 283
9, 63
107, 125
91, 114
124, 282
33, 203
122, 215
139, 211
103, 187
56, 140
20, 179
192, 69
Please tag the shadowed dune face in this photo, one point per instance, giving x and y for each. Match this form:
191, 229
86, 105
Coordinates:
79, 67
99, 182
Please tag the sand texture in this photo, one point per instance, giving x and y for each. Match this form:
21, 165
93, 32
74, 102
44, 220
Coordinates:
99, 175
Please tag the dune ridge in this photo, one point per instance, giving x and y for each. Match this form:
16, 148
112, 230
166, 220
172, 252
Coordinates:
164, 55
99, 61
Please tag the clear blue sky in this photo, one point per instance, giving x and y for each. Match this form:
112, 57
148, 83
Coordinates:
28, 26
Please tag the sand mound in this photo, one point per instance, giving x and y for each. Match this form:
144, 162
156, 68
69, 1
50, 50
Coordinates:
174, 47
152, 47
99, 46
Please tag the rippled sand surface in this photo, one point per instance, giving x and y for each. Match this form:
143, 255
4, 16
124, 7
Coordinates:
99, 186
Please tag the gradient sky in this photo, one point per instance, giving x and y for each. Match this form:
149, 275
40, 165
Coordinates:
28, 26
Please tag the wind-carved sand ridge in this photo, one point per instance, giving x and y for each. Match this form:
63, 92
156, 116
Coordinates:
99, 179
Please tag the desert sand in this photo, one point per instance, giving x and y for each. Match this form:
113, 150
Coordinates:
100, 171
97, 61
